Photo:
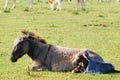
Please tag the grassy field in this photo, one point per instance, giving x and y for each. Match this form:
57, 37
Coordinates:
97, 28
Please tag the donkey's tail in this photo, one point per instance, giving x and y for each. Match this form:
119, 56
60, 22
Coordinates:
87, 56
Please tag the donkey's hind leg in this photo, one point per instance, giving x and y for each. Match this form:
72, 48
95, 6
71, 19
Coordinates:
30, 3
14, 4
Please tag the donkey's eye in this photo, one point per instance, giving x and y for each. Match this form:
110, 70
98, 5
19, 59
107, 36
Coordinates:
20, 43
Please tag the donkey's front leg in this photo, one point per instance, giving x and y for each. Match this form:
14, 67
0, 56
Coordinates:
6, 3
39, 68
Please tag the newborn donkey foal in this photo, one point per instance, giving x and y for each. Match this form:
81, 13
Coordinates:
98, 67
86, 64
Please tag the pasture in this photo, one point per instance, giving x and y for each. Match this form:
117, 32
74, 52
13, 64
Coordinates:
97, 28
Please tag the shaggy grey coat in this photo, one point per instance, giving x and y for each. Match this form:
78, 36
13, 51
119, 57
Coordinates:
46, 56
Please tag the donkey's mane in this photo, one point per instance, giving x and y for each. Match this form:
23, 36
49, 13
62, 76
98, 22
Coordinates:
32, 34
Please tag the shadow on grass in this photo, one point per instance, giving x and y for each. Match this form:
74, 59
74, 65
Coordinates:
7, 10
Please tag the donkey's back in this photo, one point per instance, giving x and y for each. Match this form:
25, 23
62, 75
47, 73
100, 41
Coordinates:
61, 57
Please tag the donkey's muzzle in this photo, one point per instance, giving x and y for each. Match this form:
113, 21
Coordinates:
12, 58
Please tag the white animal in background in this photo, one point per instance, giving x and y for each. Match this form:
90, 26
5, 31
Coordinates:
80, 4
14, 3
57, 4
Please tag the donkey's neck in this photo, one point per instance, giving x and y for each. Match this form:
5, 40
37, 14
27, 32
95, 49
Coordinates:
38, 50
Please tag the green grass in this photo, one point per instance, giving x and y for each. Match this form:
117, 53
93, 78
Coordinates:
82, 29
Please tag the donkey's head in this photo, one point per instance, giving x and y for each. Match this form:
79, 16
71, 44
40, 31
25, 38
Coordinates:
21, 46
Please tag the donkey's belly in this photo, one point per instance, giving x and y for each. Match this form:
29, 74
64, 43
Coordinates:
62, 66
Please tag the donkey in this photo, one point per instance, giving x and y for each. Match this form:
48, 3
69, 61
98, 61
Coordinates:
46, 56
14, 3
93, 66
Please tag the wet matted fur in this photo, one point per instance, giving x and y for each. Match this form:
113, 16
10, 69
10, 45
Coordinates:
97, 67
81, 62
46, 56
85, 64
